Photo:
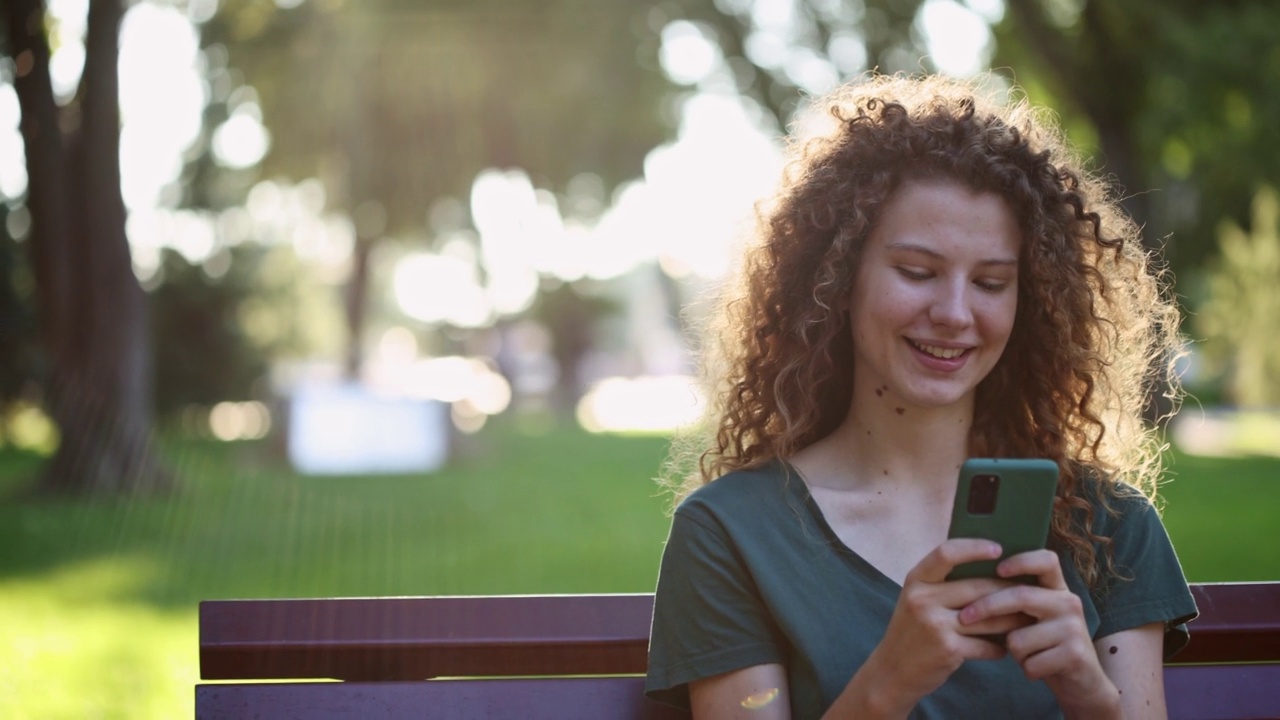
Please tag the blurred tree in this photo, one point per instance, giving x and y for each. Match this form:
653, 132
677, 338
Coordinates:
396, 104
567, 311
91, 309
202, 353
1240, 317
217, 325
1175, 97
1180, 95
19, 355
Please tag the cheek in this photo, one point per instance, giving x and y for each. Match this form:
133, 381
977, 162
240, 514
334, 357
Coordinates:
998, 316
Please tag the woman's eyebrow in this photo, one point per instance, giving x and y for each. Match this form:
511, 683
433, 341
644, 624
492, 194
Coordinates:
930, 252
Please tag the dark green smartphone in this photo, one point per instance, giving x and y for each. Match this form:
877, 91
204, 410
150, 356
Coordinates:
1006, 500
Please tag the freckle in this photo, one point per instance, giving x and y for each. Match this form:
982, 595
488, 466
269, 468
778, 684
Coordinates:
879, 392
886, 472
1114, 650
900, 410
868, 432
878, 492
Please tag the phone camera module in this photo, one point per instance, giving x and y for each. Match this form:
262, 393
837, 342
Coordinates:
982, 494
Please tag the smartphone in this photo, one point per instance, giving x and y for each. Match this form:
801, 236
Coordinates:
1006, 500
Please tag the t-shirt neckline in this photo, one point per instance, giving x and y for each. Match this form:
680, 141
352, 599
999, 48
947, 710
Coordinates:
800, 492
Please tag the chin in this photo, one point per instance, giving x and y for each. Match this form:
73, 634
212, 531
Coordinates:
938, 399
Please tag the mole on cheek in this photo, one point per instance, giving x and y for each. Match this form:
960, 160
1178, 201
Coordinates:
1114, 650
900, 410
879, 392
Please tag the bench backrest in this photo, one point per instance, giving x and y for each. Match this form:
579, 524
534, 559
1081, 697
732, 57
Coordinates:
387, 649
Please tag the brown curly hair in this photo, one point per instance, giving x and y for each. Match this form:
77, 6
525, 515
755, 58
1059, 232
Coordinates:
1095, 331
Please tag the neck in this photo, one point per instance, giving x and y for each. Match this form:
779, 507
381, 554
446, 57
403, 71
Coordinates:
884, 441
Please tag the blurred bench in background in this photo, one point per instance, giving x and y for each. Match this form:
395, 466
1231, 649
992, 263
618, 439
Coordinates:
582, 656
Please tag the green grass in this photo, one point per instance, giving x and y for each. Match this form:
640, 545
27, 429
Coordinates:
98, 598
1223, 515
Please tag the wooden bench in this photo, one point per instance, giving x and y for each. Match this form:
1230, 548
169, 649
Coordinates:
582, 656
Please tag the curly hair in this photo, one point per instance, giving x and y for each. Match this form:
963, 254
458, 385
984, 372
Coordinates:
1094, 335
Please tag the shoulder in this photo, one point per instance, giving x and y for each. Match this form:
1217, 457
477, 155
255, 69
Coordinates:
741, 491
1113, 504
1142, 581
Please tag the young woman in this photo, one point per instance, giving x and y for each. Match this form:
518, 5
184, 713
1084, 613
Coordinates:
934, 280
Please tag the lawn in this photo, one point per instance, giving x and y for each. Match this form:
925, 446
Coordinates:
99, 598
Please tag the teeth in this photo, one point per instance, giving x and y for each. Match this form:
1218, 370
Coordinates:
942, 353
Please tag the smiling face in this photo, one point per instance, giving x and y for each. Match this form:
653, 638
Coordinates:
935, 294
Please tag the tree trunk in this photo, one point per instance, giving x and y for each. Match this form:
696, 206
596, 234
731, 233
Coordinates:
92, 310
357, 306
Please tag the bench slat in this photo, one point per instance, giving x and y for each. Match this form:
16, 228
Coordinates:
423, 637
559, 699
1222, 692
1239, 622
1205, 692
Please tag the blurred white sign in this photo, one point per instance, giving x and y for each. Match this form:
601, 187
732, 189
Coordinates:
345, 429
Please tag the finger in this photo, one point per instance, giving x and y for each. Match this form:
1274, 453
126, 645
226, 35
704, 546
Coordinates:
973, 648
956, 594
1044, 565
1048, 649
1038, 602
1000, 625
1027, 642
935, 566
1045, 663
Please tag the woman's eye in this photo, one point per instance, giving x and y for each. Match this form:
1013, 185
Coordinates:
913, 273
992, 286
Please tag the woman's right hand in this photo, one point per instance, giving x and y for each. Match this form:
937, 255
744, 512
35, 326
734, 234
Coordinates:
925, 642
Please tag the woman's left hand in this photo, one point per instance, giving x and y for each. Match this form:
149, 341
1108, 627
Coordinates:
1056, 648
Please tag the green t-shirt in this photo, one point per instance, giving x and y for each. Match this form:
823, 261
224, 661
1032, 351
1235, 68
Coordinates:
752, 574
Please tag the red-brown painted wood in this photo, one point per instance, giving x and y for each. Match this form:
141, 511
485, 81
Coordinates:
1239, 622
400, 642
424, 637
559, 699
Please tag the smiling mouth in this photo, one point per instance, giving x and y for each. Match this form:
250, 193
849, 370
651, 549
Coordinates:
939, 352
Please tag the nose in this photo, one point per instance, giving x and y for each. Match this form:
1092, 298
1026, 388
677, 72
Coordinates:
952, 307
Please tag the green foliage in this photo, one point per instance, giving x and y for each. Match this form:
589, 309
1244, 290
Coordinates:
1175, 100
1240, 317
1177, 97
1207, 118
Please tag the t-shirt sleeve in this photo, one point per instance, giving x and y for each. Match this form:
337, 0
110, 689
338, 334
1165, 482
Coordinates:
1148, 585
708, 617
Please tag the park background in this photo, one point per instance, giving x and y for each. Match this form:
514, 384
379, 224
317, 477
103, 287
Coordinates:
315, 298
